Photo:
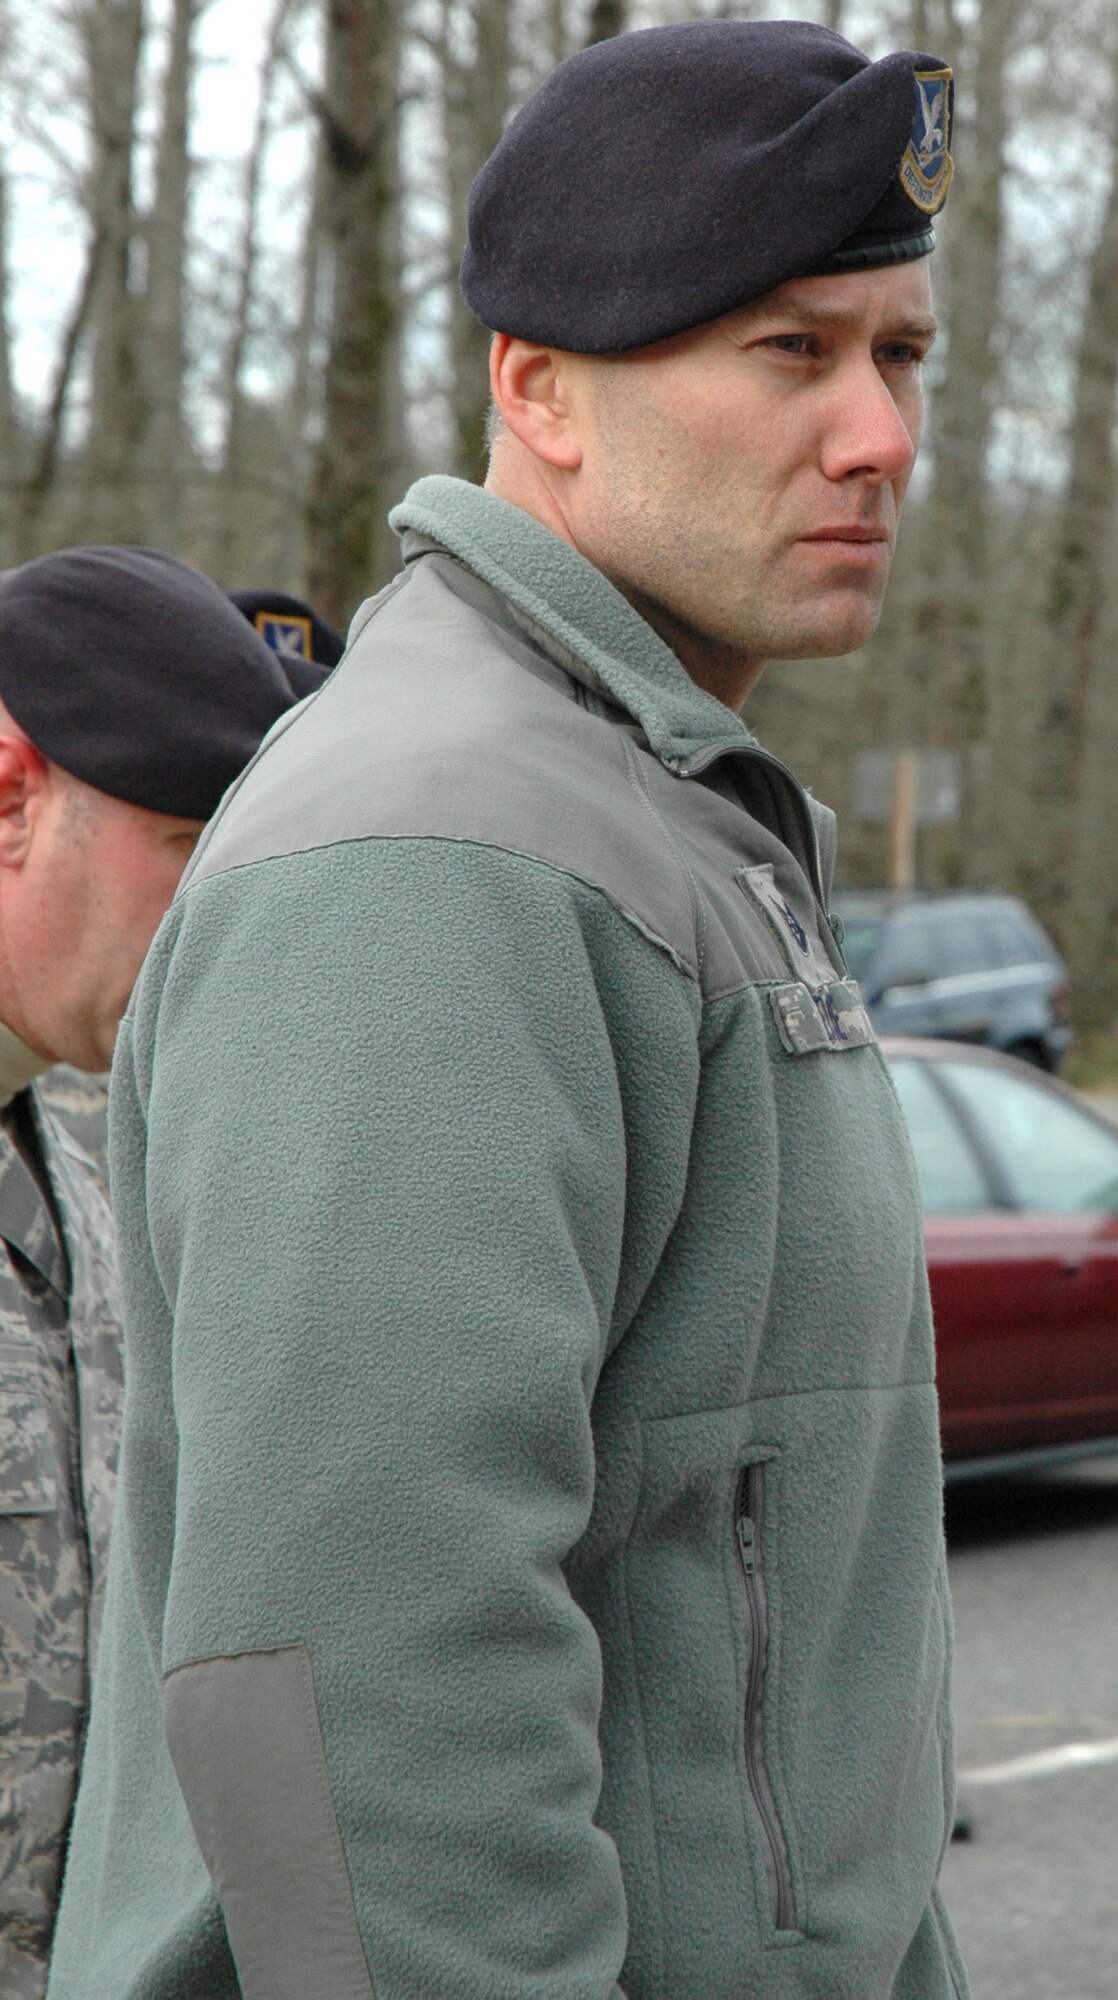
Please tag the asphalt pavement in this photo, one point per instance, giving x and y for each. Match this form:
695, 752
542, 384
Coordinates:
1034, 1891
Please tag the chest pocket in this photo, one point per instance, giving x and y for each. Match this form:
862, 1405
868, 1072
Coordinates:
28, 1484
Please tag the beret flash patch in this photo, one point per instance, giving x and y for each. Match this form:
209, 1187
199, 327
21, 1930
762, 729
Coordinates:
286, 633
927, 167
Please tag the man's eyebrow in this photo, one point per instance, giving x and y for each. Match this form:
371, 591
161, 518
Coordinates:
808, 314
925, 326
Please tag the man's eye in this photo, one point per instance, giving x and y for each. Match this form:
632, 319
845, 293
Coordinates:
900, 354
790, 343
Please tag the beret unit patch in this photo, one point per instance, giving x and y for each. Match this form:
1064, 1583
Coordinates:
286, 634
927, 168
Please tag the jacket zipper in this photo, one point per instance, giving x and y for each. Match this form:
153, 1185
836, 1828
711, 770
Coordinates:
748, 1521
701, 760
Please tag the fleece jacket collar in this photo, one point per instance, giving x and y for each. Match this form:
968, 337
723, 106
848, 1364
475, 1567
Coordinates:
559, 591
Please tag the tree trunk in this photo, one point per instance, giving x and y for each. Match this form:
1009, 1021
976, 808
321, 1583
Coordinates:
10, 438
350, 476
953, 620
230, 498
608, 18
1078, 656
303, 402
933, 26
162, 458
40, 478
476, 91
112, 31
941, 701
556, 32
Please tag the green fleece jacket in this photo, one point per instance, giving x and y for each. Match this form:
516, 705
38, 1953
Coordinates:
529, 1579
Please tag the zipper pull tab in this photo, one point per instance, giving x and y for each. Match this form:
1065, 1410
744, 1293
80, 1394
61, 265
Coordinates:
747, 1543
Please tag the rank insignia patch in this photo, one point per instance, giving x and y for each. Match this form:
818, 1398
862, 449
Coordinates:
926, 169
285, 633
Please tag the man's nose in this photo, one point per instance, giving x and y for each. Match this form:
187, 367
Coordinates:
866, 435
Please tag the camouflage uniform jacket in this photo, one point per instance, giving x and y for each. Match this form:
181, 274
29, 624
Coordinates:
60, 1396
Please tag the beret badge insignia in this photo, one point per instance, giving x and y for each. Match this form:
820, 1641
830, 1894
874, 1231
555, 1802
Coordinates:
927, 167
286, 633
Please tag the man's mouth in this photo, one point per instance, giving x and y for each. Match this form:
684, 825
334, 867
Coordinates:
856, 535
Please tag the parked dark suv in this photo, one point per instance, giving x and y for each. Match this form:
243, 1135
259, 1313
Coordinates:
973, 966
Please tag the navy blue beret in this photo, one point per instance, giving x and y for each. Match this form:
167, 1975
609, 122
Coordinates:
289, 625
658, 180
135, 673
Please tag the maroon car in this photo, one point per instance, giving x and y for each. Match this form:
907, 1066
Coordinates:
1020, 1186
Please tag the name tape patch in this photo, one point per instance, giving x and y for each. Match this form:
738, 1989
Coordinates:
828, 1018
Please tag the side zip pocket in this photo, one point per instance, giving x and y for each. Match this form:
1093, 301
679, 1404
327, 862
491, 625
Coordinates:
749, 1514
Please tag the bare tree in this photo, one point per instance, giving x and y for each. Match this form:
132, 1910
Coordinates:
608, 18
161, 344
112, 34
229, 498
1077, 655
555, 36
305, 382
43, 454
351, 473
10, 439
950, 657
475, 56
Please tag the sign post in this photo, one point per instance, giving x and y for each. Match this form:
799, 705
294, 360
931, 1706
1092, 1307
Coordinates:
904, 790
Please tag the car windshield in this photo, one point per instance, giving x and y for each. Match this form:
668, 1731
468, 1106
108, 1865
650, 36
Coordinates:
860, 939
951, 1179
1053, 1156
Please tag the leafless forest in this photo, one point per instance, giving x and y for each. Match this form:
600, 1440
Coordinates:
258, 341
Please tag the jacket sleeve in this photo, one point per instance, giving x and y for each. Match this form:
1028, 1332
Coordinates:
382, 1186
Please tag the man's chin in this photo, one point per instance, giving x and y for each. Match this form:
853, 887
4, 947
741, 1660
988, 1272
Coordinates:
838, 629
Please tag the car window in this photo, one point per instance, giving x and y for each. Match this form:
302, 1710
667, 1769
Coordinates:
860, 939
963, 942
909, 951
1032, 945
1016, 942
1053, 1156
951, 1179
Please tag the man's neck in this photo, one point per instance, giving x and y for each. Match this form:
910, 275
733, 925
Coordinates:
18, 1064
721, 670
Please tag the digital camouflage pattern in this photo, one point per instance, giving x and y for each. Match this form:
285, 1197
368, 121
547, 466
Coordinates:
60, 1400
812, 1018
80, 1102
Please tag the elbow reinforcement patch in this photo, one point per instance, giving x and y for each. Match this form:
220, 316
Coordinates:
246, 1743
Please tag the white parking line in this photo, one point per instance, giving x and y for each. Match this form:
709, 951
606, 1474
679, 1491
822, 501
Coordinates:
1044, 1763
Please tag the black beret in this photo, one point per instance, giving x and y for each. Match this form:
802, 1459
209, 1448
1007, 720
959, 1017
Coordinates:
135, 673
290, 626
658, 180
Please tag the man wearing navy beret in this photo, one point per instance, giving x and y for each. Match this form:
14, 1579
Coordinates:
131, 695
293, 628
531, 1576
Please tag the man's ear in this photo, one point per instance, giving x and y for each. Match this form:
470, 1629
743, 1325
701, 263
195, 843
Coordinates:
532, 392
23, 777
